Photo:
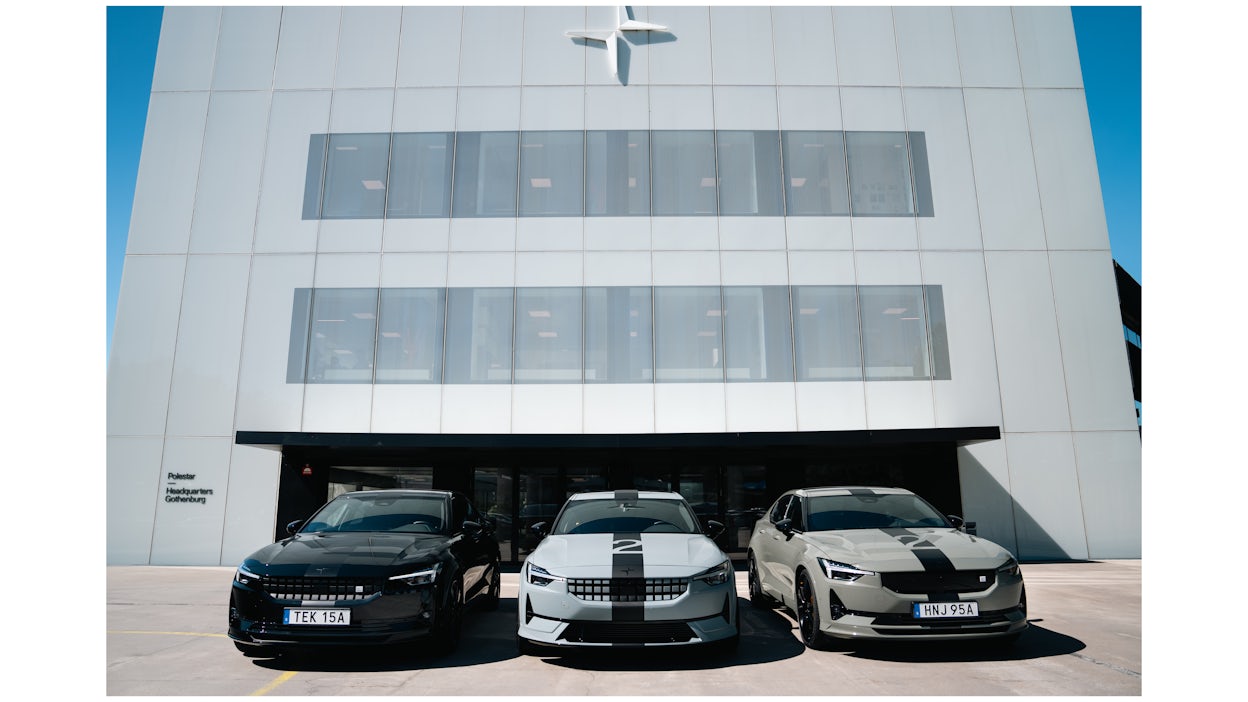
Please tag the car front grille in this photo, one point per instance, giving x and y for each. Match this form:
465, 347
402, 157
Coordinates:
627, 632
934, 583
627, 589
300, 589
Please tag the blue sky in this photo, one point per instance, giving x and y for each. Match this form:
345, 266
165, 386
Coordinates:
1109, 52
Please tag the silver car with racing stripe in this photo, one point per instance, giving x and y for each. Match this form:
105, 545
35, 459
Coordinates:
882, 563
626, 568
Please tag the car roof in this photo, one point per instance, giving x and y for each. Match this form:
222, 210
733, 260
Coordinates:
621, 494
850, 490
397, 492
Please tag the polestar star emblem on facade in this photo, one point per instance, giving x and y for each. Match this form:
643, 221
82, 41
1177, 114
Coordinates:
611, 37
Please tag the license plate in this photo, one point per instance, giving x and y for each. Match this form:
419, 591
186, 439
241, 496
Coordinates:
317, 617
941, 610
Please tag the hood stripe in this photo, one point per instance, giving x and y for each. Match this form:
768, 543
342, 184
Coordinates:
930, 556
628, 568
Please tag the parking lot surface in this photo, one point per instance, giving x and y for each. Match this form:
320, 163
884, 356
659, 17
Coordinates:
166, 636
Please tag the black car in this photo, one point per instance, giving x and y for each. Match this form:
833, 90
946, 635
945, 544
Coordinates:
370, 567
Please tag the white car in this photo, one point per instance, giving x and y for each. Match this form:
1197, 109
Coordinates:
626, 568
881, 563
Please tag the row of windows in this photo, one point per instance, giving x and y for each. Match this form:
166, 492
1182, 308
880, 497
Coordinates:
618, 334
617, 173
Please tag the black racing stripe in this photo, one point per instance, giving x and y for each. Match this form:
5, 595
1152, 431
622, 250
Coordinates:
628, 578
930, 556
625, 495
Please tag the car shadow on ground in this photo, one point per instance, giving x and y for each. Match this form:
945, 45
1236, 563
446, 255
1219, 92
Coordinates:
1036, 642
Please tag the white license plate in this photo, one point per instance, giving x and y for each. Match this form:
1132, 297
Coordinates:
941, 610
317, 617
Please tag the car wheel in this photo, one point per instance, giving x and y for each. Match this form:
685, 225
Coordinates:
806, 606
527, 648
490, 601
758, 598
449, 621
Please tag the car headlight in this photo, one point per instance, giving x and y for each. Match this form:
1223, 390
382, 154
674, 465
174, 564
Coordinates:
1010, 567
717, 575
244, 576
538, 575
424, 576
836, 570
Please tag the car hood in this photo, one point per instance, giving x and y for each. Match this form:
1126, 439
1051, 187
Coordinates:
595, 555
342, 553
890, 550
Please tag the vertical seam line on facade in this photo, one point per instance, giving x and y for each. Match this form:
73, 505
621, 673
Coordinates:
784, 219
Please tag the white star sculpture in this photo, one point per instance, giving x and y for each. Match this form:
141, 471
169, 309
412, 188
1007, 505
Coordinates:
611, 37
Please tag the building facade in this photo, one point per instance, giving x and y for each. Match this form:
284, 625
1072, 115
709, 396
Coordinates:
526, 251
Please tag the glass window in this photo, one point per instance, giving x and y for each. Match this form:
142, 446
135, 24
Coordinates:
939, 335
749, 173
297, 356
825, 330
922, 181
409, 343
756, 334
815, 182
617, 177
618, 345
478, 335
315, 176
683, 166
552, 174
420, 175
688, 337
611, 515
894, 332
343, 330
355, 176
485, 174
548, 335
879, 173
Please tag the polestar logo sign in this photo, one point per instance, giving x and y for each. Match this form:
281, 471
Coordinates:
611, 37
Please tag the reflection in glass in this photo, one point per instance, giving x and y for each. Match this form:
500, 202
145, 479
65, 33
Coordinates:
551, 174
491, 493
756, 334
409, 343
485, 174
617, 335
617, 173
879, 173
688, 336
825, 328
683, 167
342, 333
548, 335
420, 175
478, 335
894, 332
815, 182
749, 173
355, 176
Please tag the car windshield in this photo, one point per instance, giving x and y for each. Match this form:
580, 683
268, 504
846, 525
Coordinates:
380, 512
833, 512
610, 515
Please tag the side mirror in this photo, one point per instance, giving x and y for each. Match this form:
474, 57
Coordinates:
473, 529
294, 526
539, 530
960, 523
713, 529
785, 526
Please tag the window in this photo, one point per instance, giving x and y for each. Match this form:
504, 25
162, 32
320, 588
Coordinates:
879, 173
478, 335
355, 176
410, 328
342, 333
815, 180
485, 174
749, 173
551, 174
757, 344
825, 330
688, 335
548, 335
683, 168
894, 333
617, 173
617, 335
420, 175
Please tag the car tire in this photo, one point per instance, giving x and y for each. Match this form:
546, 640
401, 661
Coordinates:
449, 620
806, 608
758, 598
527, 648
492, 595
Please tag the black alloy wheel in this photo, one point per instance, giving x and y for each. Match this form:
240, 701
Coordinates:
758, 598
449, 620
807, 610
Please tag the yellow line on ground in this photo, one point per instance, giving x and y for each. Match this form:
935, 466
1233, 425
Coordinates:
269, 688
166, 633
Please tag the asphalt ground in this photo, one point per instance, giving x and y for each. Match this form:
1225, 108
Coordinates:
166, 637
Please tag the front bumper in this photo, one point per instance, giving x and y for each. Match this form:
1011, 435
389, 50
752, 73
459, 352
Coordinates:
383, 618
551, 617
865, 609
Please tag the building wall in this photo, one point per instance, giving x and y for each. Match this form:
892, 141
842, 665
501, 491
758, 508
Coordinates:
1018, 242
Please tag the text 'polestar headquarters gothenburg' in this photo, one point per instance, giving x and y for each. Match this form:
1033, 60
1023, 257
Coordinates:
626, 568
369, 567
882, 563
